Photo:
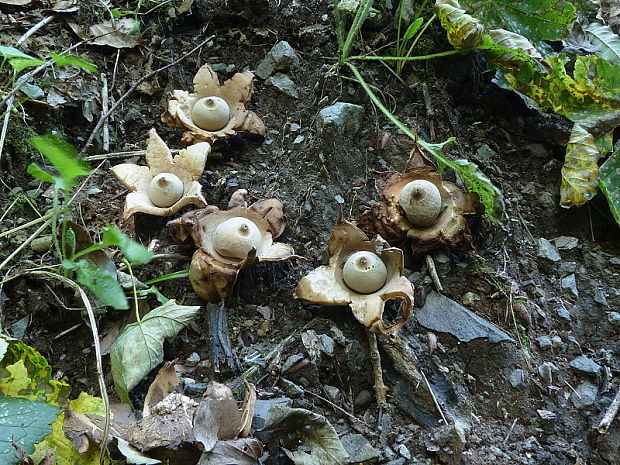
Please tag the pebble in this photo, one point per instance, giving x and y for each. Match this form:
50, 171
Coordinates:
545, 371
281, 57
42, 244
517, 378
470, 298
298, 140
486, 152
547, 250
556, 342
585, 365
290, 361
284, 84
363, 398
567, 268
333, 393
400, 461
290, 388
584, 395
614, 318
563, 313
340, 119
600, 298
403, 451
359, 448
566, 242
544, 342
193, 359
570, 283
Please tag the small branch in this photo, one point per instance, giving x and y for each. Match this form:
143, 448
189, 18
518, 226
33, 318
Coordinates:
34, 29
430, 263
336, 407
135, 85
105, 105
610, 414
375, 360
430, 389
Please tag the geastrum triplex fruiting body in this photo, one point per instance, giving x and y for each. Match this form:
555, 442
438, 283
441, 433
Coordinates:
229, 240
167, 184
212, 111
363, 274
419, 205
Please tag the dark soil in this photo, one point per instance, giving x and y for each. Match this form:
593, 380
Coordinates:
502, 279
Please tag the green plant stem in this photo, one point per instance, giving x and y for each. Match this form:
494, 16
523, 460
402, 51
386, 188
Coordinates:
175, 275
25, 243
420, 57
26, 225
401, 64
361, 14
133, 285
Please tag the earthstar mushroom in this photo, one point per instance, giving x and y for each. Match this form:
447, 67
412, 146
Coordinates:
229, 240
355, 277
167, 184
212, 111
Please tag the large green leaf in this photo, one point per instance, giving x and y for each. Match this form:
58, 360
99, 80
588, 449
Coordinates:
140, 346
63, 156
25, 373
610, 183
102, 284
67, 59
606, 41
23, 423
537, 20
134, 251
580, 171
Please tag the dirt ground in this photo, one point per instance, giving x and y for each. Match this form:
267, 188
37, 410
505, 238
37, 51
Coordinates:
546, 413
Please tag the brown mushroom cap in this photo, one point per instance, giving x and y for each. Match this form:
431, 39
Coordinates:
326, 286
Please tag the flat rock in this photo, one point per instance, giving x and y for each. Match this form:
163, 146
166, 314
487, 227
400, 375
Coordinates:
569, 283
281, 57
585, 365
565, 242
284, 84
340, 119
517, 378
544, 342
547, 250
261, 409
445, 315
584, 395
359, 449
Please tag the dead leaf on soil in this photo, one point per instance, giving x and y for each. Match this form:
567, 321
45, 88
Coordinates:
244, 451
122, 33
164, 383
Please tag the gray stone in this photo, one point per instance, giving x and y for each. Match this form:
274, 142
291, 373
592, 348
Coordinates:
486, 152
193, 359
445, 315
359, 449
403, 451
400, 461
545, 371
42, 243
544, 342
441, 256
600, 298
570, 283
563, 313
290, 361
565, 242
195, 389
470, 298
584, 395
363, 398
284, 84
261, 409
333, 393
556, 342
340, 119
573, 345
585, 365
614, 261
326, 344
517, 378
567, 268
298, 140
547, 250
281, 57
219, 67
290, 388
614, 318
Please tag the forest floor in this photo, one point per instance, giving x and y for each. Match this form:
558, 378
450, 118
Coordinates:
514, 392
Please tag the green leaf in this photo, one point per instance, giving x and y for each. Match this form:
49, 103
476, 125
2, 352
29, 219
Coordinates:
606, 41
25, 373
19, 64
63, 156
463, 29
413, 29
67, 59
537, 20
102, 284
134, 251
12, 52
23, 422
36, 171
609, 183
140, 346
580, 171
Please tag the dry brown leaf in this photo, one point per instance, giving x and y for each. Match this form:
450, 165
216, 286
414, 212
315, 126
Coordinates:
164, 383
244, 451
111, 33
235, 92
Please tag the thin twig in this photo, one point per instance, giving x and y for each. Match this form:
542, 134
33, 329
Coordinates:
5, 124
93, 328
610, 414
25, 243
105, 105
336, 407
512, 427
135, 85
375, 361
430, 389
66, 331
430, 263
34, 29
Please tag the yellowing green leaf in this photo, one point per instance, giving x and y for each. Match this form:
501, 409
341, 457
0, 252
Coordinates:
17, 381
610, 183
580, 171
463, 29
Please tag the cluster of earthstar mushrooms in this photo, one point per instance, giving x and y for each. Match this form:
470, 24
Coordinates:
363, 273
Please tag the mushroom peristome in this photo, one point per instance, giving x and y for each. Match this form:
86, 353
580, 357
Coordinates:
213, 270
155, 188
208, 122
326, 284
